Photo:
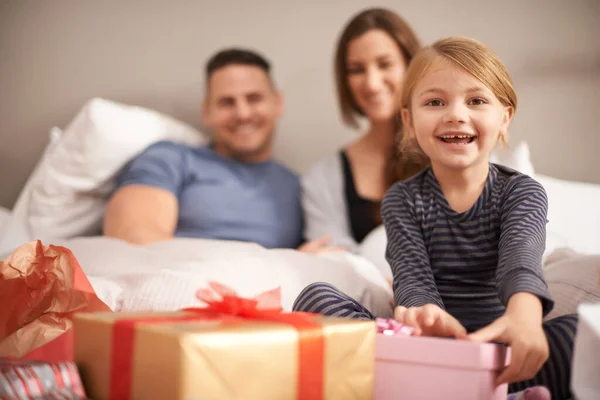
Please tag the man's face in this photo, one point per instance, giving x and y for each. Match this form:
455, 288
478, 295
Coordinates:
242, 109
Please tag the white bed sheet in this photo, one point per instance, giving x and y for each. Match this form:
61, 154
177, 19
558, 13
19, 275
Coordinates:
166, 275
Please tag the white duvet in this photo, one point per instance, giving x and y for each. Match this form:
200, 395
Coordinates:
166, 275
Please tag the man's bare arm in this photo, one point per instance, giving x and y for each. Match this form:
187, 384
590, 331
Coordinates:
141, 214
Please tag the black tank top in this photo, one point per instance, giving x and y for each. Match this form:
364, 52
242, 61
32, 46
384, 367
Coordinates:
362, 212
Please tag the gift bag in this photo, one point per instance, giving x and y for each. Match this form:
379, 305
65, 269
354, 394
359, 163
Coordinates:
41, 287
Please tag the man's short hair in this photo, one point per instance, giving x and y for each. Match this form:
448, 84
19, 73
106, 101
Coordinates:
236, 56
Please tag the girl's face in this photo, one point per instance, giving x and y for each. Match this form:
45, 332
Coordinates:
455, 118
375, 69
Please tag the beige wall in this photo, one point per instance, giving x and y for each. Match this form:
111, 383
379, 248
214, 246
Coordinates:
54, 55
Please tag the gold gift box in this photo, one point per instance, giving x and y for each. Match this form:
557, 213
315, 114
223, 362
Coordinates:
224, 359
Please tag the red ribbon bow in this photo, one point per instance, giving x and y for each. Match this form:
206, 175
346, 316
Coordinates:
224, 300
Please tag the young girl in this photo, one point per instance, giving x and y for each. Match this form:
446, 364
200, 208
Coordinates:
466, 237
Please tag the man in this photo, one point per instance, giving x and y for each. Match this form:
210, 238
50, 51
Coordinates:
230, 190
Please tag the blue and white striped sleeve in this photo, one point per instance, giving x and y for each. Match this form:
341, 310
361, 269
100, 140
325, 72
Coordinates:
522, 241
413, 284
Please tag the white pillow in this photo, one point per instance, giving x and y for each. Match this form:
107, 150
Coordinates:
572, 279
15, 230
4, 217
373, 249
69, 198
517, 158
573, 215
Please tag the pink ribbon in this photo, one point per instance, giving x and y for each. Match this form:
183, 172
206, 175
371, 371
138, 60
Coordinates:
392, 327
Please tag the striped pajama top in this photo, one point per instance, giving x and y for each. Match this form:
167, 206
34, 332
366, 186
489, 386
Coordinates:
467, 263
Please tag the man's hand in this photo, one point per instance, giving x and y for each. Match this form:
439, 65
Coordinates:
521, 328
321, 245
430, 320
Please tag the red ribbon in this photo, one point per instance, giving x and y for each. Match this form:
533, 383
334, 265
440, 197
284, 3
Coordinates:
311, 344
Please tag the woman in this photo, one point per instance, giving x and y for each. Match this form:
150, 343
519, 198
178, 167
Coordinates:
342, 194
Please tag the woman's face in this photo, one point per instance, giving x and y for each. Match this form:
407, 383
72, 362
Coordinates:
375, 69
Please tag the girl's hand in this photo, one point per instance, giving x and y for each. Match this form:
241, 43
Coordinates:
430, 320
521, 328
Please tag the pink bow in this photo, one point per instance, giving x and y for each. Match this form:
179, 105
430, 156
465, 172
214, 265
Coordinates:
392, 327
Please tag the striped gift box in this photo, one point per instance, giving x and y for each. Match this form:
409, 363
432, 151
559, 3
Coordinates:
20, 379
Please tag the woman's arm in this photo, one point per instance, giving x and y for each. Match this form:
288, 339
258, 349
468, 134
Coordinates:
325, 212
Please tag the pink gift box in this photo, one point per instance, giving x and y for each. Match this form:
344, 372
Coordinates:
414, 368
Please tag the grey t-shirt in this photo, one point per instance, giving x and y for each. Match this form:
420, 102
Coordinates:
221, 198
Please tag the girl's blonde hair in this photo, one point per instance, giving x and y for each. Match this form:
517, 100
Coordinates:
473, 57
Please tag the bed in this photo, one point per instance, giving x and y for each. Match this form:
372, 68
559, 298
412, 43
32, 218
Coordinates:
63, 202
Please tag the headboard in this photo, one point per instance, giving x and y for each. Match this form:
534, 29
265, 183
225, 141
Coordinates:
56, 55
